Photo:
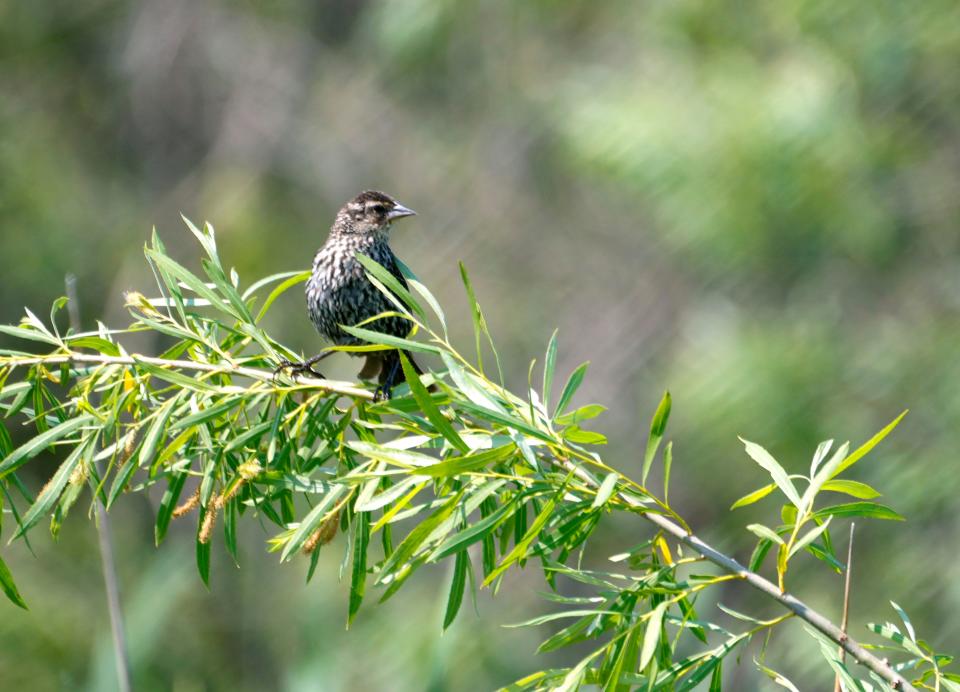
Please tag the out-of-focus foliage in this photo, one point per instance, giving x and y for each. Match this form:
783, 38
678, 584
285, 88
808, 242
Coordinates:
753, 204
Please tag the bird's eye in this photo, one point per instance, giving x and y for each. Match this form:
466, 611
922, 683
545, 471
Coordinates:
378, 209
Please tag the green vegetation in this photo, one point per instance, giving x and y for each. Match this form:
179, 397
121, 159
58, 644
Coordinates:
429, 475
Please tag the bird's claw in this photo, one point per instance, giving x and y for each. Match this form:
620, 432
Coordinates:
382, 393
304, 367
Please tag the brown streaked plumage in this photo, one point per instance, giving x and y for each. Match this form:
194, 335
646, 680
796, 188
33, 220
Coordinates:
339, 292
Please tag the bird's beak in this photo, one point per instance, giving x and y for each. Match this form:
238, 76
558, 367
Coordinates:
399, 211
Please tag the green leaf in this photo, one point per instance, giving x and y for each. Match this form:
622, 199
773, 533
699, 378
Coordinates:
281, 276
549, 365
51, 491
520, 548
155, 433
776, 677
584, 413
95, 342
310, 522
208, 412
606, 489
627, 651
477, 531
29, 334
203, 557
859, 509
470, 462
808, 537
479, 323
571, 387
822, 475
192, 281
853, 488
583, 437
388, 340
767, 462
35, 445
658, 426
765, 532
174, 376
457, 585
818, 456
651, 635
829, 651
390, 282
9, 587
167, 504
667, 463
429, 408
758, 555
506, 419
750, 498
409, 545
890, 631
906, 621
358, 577
868, 445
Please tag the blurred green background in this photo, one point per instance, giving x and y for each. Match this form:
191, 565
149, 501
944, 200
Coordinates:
752, 204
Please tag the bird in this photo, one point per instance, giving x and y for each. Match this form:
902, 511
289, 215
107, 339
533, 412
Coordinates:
339, 292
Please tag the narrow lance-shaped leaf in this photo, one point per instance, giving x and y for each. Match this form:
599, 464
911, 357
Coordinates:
859, 509
358, 577
606, 489
571, 387
822, 475
520, 549
667, 463
479, 324
657, 427
312, 521
51, 491
380, 338
780, 477
34, 446
765, 532
167, 504
429, 408
808, 538
856, 489
865, 448
457, 586
391, 283
9, 587
758, 494
651, 635
409, 545
549, 365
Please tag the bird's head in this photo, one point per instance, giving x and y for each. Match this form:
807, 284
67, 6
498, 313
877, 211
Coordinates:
370, 212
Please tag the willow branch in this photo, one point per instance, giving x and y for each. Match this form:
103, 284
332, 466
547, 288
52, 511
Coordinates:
791, 603
338, 386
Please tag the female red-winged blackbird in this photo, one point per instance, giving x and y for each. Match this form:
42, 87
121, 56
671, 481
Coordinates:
339, 293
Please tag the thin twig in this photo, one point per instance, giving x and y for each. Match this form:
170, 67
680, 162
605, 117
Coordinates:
846, 601
110, 581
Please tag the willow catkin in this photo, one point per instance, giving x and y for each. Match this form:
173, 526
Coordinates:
324, 533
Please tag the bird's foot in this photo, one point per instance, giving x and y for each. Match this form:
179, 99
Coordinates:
296, 368
382, 393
